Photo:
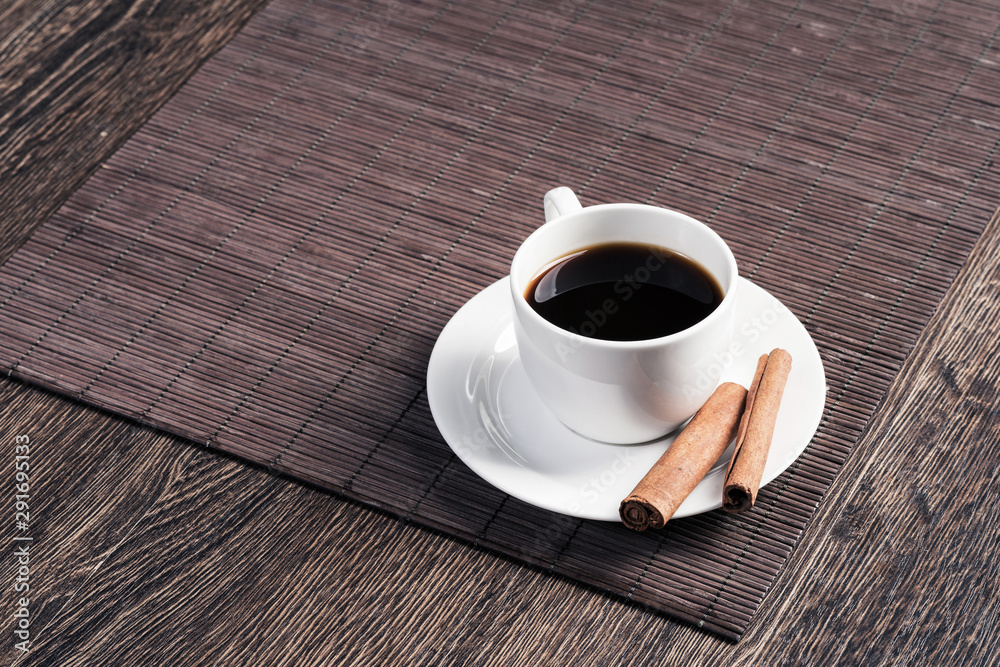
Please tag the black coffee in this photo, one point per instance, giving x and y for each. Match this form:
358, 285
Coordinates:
624, 291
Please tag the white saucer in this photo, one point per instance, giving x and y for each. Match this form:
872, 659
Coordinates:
494, 421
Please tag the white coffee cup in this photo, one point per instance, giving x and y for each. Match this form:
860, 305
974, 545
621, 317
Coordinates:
621, 391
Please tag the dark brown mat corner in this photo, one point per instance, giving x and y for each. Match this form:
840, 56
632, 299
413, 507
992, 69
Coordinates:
265, 266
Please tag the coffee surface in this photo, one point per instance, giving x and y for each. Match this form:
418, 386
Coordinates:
624, 292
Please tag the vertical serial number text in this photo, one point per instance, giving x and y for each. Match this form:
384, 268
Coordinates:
22, 542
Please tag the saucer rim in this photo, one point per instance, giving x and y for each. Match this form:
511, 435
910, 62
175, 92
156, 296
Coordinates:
501, 288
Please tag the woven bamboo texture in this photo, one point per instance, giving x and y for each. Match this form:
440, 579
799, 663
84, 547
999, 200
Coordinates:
265, 266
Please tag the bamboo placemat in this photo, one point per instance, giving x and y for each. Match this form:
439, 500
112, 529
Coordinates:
265, 266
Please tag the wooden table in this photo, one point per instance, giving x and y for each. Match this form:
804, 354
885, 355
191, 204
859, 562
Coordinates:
150, 550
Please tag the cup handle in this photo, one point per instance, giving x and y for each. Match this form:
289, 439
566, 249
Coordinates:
559, 202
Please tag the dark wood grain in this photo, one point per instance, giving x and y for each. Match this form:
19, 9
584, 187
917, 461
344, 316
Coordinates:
204, 560
93, 479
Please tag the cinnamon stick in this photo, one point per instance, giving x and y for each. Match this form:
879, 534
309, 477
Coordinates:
753, 440
690, 456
